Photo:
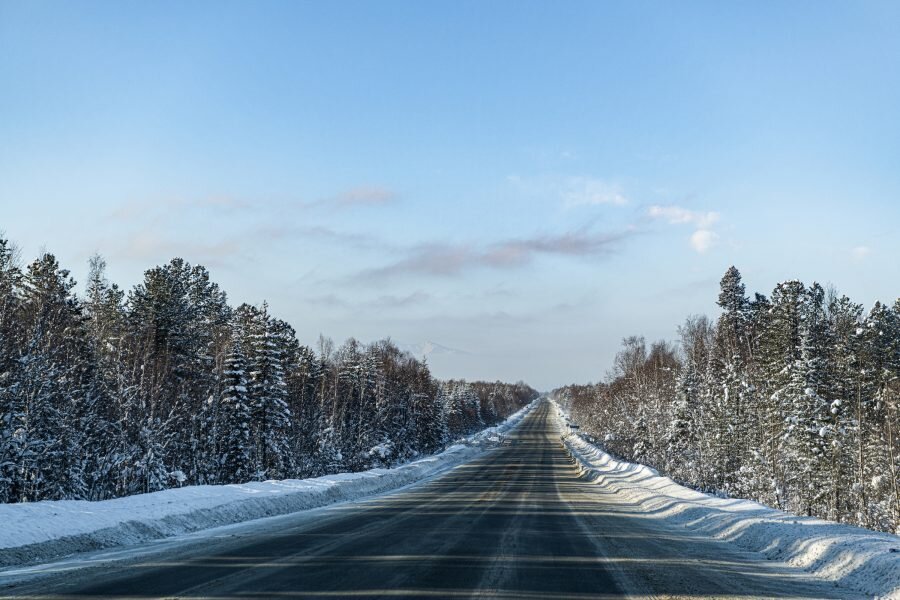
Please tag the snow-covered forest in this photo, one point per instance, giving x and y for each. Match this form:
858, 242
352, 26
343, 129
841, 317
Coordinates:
112, 393
790, 400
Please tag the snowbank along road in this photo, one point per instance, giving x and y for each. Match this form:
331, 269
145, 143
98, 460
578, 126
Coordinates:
517, 522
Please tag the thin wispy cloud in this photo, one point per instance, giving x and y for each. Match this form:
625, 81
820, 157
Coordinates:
319, 233
427, 259
362, 196
329, 300
860, 252
482, 321
383, 302
149, 246
223, 205
676, 215
571, 190
136, 210
694, 287
587, 191
222, 248
444, 259
391, 301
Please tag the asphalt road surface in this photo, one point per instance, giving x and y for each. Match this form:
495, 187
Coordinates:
516, 523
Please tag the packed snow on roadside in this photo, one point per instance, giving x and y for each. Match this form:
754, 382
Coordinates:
849, 556
32, 532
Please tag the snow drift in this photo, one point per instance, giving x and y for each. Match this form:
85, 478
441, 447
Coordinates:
38, 531
849, 556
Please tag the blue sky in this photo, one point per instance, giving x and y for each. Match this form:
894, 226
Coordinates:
524, 182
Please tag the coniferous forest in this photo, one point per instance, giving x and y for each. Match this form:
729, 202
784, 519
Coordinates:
790, 400
112, 393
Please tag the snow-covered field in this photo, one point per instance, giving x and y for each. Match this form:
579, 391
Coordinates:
849, 556
39, 531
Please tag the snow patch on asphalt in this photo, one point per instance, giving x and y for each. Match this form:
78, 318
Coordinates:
857, 558
38, 531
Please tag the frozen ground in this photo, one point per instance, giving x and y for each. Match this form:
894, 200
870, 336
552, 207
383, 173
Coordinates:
34, 532
848, 556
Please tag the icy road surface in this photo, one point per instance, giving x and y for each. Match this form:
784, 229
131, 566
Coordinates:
517, 522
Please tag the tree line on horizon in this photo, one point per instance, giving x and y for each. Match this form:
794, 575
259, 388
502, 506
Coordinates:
167, 385
790, 400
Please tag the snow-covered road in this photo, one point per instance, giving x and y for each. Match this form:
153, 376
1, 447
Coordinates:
37, 531
524, 520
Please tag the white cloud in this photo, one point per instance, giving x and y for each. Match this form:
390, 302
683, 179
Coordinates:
860, 252
587, 191
677, 215
703, 239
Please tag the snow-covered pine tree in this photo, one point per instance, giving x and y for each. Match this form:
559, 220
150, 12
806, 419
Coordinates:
642, 449
892, 416
662, 367
268, 395
371, 379
783, 368
296, 371
303, 386
10, 345
733, 325
488, 404
328, 457
105, 326
811, 411
429, 431
53, 387
845, 318
765, 455
349, 394
206, 332
687, 433
881, 331
715, 445
382, 447
682, 435
452, 415
235, 419
733, 350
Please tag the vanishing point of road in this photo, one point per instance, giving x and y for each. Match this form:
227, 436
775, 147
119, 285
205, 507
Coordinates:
516, 523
